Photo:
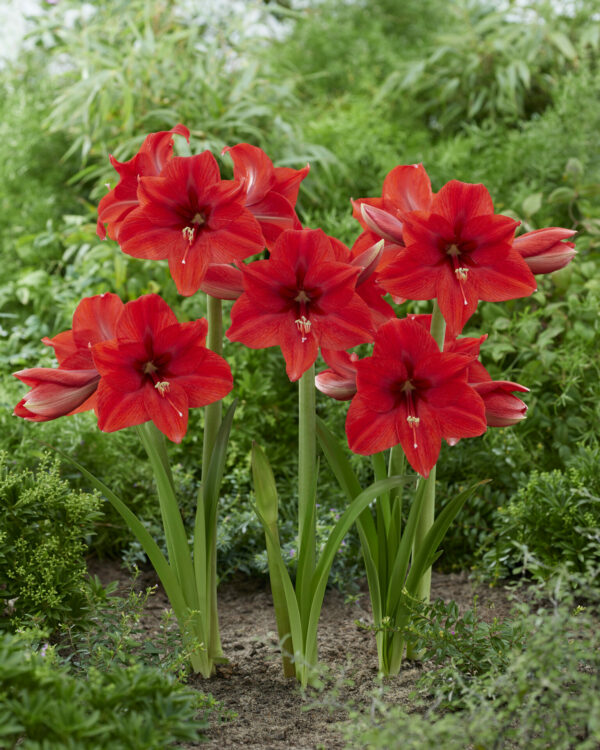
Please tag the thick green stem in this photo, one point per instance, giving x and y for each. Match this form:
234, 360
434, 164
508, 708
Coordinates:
307, 466
438, 331
212, 422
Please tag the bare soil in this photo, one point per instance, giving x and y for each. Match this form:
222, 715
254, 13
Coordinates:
261, 709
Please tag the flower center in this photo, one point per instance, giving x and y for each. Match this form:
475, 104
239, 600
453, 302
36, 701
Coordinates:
149, 368
453, 250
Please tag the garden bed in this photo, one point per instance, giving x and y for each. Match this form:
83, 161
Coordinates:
262, 709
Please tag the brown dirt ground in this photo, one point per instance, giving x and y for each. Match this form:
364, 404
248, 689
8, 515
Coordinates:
264, 710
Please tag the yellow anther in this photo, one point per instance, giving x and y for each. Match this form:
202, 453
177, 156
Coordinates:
162, 386
303, 324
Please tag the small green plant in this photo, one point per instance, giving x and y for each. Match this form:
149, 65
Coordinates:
46, 705
553, 520
44, 528
543, 693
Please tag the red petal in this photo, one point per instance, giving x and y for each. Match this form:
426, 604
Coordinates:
223, 281
460, 201
253, 168
95, 319
299, 355
210, 379
287, 181
459, 410
169, 412
368, 431
404, 339
252, 326
275, 214
407, 188
117, 410
349, 327
64, 345
149, 313
421, 445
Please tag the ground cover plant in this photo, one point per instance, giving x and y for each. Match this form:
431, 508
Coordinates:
133, 338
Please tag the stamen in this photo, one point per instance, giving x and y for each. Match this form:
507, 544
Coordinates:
460, 272
303, 324
163, 386
413, 421
188, 233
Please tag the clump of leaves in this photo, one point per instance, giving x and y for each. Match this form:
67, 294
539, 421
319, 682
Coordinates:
44, 527
552, 521
45, 704
542, 693
488, 64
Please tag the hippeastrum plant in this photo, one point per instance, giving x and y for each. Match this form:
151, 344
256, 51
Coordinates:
181, 210
305, 296
144, 369
422, 384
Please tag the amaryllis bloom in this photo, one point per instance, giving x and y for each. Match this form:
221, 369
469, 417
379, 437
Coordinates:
339, 380
191, 217
545, 250
302, 298
155, 152
156, 369
458, 252
410, 393
502, 408
270, 192
71, 387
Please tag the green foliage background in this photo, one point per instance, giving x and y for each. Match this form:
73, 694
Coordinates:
507, 96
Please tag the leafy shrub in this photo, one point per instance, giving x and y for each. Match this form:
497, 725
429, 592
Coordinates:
45, 705
44, 526
552, 521
543, 694
488, 64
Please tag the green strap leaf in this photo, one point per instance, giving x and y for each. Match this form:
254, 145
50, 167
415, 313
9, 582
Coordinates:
321, 574
265, 491
177, 540
156, 557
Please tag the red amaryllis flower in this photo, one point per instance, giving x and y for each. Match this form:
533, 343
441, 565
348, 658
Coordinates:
193, 218
502, 408
70, 388
459, 252
156, 369
410, 393
271, 192
154, 153
544, 250
300, 299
